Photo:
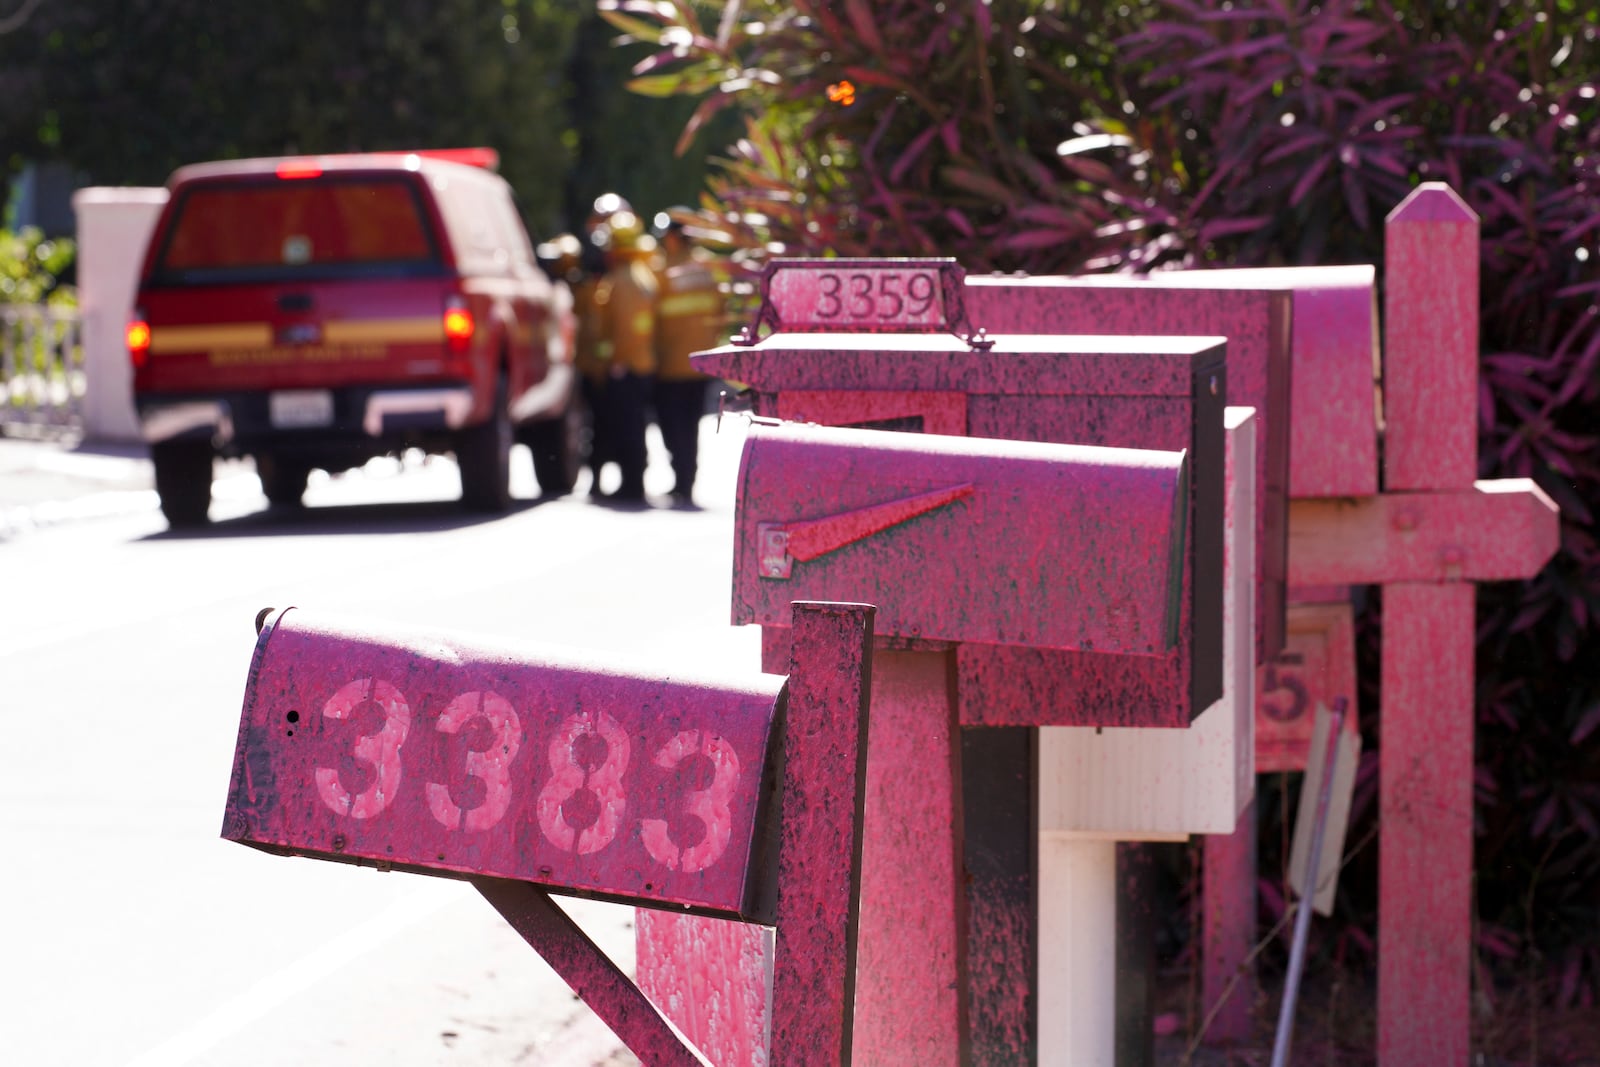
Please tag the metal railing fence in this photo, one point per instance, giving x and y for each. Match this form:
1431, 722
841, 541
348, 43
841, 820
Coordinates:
42, 377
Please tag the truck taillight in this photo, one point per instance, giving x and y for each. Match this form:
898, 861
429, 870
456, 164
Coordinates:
458, 324
138, 338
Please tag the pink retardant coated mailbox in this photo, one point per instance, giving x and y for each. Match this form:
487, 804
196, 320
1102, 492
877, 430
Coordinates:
1164, 394
526, 769
965, 540
973, 546
1334, 362
1257, 325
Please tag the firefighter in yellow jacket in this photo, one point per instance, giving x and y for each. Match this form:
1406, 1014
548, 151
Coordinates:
625, 309
689, 319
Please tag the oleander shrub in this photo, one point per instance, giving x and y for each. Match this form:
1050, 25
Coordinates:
1054, 136
33, 272
33, 268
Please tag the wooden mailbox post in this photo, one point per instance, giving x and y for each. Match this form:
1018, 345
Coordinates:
1431, 532
527, 769
987, 689
1426, 537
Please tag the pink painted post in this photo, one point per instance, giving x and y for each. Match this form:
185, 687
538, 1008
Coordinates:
1430, 311
587, 970
1228, 981
819, 853
911, 877
1425, 848
1425, 778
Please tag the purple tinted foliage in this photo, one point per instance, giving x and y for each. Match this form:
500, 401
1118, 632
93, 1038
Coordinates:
1190, 133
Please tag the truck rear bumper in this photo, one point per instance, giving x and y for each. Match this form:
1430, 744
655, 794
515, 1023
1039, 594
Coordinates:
400, 407
210, 419
372, 414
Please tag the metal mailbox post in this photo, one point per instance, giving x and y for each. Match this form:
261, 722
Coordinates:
528, 769
971, 708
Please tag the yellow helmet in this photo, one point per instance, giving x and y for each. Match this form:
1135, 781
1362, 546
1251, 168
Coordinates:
625, 229
608, 204
562, 251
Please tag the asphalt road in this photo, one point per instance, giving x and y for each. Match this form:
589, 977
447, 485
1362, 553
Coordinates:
129, 932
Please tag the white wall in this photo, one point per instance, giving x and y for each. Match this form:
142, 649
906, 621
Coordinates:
113, 226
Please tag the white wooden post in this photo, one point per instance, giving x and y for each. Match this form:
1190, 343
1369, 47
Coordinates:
113, 226
1098, 787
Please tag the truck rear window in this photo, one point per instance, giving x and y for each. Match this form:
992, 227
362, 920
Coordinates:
297, 229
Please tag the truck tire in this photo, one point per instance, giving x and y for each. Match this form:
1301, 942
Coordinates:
284, 483
557, 447
484, 455
183, 481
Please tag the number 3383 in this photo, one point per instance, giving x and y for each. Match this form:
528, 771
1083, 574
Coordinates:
582, 802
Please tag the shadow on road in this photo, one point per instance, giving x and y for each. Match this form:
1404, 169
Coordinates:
429, 516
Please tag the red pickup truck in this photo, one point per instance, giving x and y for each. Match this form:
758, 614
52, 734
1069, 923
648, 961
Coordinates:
315, 312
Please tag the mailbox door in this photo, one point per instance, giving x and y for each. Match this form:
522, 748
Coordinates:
966, 540
415, 751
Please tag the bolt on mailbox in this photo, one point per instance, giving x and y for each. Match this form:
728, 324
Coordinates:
525, 769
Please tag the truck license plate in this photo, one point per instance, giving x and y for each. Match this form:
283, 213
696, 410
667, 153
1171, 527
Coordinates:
300, 408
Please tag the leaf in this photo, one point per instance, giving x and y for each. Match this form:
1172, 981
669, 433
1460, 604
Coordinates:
1587, 725
702, 115
1033, 240
1241, 50
977, 182
1580, 375
1093, 142
1090, 170
912, 153
636, 28
1052, 215
959, 222
691, 81
1546, 816
725, 25
1308, 180
860, 15
950, 134
983, 21
1294, 145
872, 76
1219, 228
